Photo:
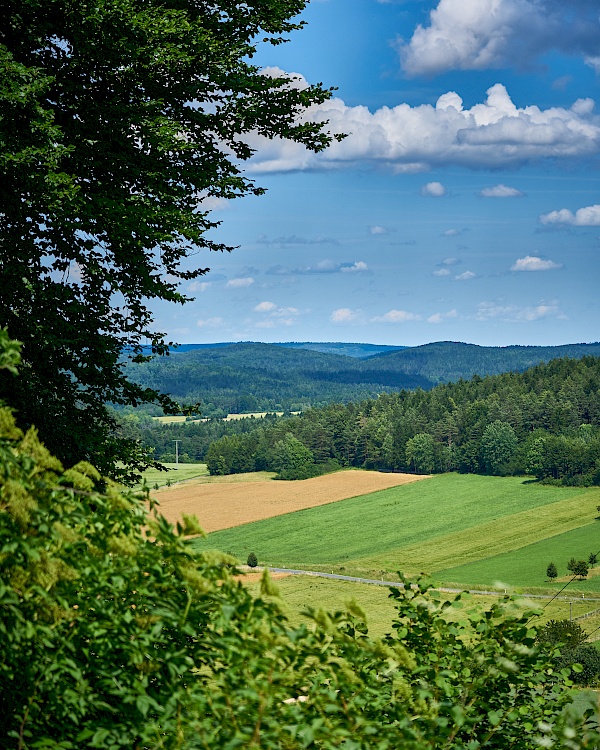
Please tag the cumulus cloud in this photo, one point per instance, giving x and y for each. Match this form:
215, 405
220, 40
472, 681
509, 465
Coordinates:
451, 233
275, 316
466, 276
265, 307
396, 316
515, 314
533, 263
440, 317
583, 217
493, 134
243, 283
433, 190
357, 267
343, 315
442, 272
376, 229
483, 34
500, 191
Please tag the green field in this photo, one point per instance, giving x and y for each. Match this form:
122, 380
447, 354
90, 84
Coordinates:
443, 526
176, 473
300, 592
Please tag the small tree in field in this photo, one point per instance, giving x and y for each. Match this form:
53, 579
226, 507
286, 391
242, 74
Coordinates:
551, 571
571, 565
252, 560
581, 569
593, 559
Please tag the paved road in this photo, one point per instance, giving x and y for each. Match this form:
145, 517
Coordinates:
397, 584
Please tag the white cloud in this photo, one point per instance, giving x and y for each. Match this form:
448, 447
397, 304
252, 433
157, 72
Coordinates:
356, 267
199, 286
583, 217
466, 276
532, 263
451, 233
213, 203
442, 272
493, 134
433, 190
210, 323
483, 34
396, 316
450, 261
343, 315
440, 317
376, 229
265, 307
500, 191
240, 283
514, 314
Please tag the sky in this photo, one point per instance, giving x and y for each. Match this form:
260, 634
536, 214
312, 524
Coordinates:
463, 205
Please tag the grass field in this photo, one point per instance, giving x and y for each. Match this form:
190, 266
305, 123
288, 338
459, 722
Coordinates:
178, 473
426, 526
300, 592
528, 564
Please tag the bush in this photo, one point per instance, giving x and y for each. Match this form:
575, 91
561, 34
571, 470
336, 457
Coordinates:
252, 561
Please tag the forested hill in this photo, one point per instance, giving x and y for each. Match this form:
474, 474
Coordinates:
262, 377
449, 361
250, 377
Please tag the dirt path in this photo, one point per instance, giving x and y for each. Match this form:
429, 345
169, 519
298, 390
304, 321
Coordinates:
221, 506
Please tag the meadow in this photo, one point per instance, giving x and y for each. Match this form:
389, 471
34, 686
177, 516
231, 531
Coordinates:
176, 473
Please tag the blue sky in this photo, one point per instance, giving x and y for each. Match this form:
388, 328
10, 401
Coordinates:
463, 205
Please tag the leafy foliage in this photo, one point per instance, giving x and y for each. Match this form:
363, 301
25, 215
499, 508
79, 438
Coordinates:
118, 121
551, 571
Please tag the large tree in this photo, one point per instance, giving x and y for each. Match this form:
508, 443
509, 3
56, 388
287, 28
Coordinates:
120, 122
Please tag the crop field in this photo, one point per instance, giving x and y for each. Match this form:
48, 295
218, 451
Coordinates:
228, 501
425, 526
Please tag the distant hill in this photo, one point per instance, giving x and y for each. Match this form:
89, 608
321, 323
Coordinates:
359, 351
249, 377
448, 361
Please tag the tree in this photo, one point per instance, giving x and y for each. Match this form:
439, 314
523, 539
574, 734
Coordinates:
292, 459
498, 447
593, 559
120, 123
420, 452
252, 560
551, 571
581, 569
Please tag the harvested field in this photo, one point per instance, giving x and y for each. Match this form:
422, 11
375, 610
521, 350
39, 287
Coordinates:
224, 505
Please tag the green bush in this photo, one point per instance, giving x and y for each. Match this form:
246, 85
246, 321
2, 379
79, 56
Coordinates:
252, 561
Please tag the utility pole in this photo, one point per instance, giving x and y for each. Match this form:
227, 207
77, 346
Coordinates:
176, 453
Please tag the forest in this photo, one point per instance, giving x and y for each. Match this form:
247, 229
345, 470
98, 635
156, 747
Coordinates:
249, 377
544, 422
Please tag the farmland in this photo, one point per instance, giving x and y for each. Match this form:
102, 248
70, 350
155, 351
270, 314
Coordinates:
424, 526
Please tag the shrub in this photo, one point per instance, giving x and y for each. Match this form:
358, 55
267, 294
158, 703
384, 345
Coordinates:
252, 561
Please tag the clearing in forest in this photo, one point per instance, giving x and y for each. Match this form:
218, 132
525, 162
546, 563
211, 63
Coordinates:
222, 505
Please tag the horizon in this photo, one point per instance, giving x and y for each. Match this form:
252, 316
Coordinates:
463, 205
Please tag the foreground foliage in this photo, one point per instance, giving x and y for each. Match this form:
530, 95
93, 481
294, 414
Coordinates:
115, 634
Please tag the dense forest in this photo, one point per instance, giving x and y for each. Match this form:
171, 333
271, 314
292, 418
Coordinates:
249, 377
544, 421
